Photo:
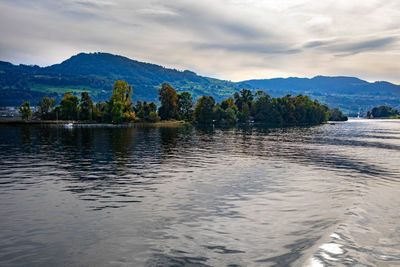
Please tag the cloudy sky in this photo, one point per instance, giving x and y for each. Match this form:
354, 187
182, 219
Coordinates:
227, 39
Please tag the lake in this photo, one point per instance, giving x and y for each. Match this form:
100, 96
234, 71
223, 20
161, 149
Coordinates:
181, 196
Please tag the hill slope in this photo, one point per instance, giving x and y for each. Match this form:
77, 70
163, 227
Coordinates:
96, 73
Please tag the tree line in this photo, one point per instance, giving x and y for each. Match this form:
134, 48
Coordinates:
383, 112
243, 107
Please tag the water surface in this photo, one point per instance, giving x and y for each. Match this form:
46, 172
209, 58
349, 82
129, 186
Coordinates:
110, 196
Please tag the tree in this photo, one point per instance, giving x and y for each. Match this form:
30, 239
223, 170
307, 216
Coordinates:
244, 116
25, 111
147, 111
204, 110
86, 107
225, 116
153, 117
117, 112
122, 92
383, 111
120, 105
100, 112
169, 102
288, 110
245, 96
228, 103
69, 107
45, 106
336, 115
185, 106
138, 107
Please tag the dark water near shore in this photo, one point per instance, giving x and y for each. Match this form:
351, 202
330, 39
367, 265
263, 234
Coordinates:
312, 196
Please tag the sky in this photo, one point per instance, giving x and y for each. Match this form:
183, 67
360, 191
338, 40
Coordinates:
227, 39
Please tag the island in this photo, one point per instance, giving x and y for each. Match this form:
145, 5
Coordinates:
243, 108
383, 112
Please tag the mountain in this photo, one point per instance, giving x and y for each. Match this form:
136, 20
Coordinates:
96, 73
347, 93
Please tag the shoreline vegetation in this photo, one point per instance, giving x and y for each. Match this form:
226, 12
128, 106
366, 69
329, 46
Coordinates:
15, 122
178, 108
383, 112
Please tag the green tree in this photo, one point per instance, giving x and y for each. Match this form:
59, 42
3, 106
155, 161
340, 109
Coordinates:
120, 105
117, 112
86, 107
45, 107
100, 112
147, 111
383, 111
122, 92
185, 106
226, 116
138, 106
245, 96
228, 103
69, 107
337, 115
204, 110
153, 117
169, 102
244, 116
25, 111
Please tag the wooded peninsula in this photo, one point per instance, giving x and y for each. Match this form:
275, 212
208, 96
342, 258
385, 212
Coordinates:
243, 107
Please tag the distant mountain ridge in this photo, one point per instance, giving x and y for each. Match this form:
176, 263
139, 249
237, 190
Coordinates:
326, 84
350, 94
96, 73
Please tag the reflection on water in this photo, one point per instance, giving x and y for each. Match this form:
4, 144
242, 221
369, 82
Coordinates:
143, 196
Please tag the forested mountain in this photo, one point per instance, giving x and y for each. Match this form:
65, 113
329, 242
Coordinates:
96, 73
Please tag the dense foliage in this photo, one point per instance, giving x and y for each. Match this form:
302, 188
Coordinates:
382, 112
25, 111
244, 107
45, 106
169, 102
337, 115
350, 94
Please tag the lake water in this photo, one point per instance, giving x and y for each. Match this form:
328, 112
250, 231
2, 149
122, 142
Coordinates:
107, 196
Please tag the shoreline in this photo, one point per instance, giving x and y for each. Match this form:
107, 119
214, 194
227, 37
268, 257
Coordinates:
51, 122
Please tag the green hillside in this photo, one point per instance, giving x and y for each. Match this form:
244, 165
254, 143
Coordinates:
96, 73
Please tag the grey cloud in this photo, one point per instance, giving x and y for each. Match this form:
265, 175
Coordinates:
368, 45
204, 20
253, 48
313, 44
345, 47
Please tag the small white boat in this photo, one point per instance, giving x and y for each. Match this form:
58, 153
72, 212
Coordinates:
69, 125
